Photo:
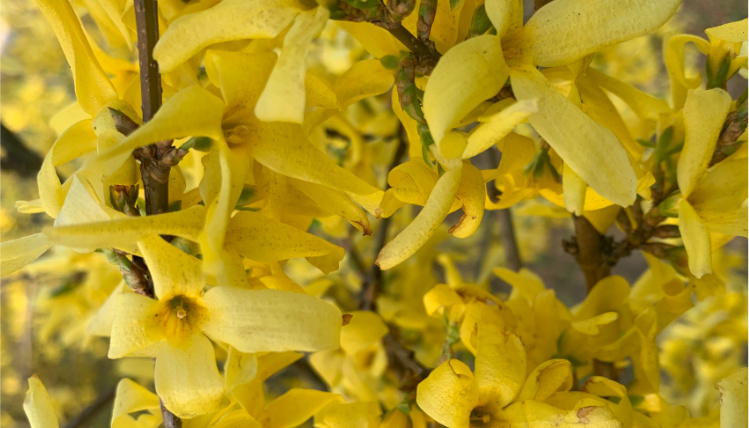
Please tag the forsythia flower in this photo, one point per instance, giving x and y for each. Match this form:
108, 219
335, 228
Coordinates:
171, 328
713, 200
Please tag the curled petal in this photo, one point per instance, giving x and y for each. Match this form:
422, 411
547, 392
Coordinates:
500, 366
471, 194
227, 21
449, 394
416, 234
497, 127
133, 398
506, 15
733, 408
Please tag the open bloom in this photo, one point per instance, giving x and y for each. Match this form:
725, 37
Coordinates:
715, 199
560, 34
173, 327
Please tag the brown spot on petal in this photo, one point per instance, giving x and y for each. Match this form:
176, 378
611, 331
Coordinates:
583, 413
346, 319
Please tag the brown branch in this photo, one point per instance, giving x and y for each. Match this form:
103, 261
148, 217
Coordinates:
372, 283
509, 240
538, 4
590, 249
154, 172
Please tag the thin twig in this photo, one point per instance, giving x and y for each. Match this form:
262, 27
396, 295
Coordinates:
372, 283
509, 240
92, 409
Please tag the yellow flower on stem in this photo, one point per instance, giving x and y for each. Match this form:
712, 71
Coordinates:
498, 392
713, 200
173, 327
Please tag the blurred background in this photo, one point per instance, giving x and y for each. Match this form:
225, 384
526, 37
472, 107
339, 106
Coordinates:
42, 312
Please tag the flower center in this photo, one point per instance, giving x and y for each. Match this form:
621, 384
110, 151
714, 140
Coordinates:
181, 316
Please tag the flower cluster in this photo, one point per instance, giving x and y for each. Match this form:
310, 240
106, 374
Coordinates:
293, 129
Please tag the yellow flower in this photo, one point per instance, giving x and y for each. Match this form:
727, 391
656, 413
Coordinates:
561, 33
498, 392
713, 200
172, 328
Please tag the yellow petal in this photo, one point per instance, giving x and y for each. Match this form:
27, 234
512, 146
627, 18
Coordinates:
500, 366
591, 150
173, 271
38, 406
439, 297
110, 21
546, 379
416, 234
733, 407
525, 282
564, 31
643, 104
190, 112
696, 239
226, 21
283, 98
471, 193
375, 40
498, 126
506, 15
283, 148
82, 205
606, 296
365, 329
74, 142
271, 320
590, 326
364, 79
296, 406
232, 165
466, 75
704, 114
673, 58
18, 253
187, 379
135, 329
124, 233
335, 202
240, 368
227, 70
733, 32
262, 239
92, 86
349, 415
720, 198
574, 191
449, 394
532, 413
133, 398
